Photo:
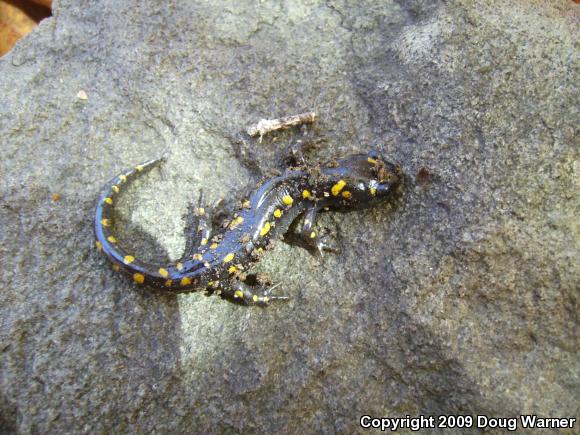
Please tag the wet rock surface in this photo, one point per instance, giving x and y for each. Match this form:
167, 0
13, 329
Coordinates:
459, 298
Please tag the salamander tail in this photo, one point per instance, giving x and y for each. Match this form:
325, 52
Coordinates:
142, 273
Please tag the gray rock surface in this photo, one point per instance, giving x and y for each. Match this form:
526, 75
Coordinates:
460, 298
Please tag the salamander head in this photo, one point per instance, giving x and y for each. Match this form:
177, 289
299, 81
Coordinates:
364, 179
386, 176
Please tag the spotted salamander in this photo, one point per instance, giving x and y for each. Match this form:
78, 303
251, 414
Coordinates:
218, 262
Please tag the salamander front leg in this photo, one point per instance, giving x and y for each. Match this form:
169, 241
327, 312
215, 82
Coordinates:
259, 295
308, 238
297, 151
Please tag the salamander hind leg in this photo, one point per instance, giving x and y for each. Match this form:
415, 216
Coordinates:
198, 229
259, 295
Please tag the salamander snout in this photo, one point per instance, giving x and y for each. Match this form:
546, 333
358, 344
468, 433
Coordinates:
386, 176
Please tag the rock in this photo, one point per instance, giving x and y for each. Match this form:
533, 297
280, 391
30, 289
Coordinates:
460, 298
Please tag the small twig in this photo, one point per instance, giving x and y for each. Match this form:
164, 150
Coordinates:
267, 125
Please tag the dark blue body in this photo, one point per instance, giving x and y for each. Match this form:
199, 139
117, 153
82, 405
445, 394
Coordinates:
220, 261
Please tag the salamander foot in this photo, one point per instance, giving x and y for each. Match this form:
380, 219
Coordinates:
254, 295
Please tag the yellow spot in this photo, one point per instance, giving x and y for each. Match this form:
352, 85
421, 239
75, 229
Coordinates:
185, 281
287, 200
373, 191
128, 259
123, 178
266, 299
98, 245
203, 242
116, 267
197, 257
139, 168
371, 160
312, 235
169, 283
108, 200
265, 229
238, 294
237, 221
215, 284
335, 190
247, 204
213, 246
105, 222
229, 257
116, 189
178, 265
201, 211
346, 194
211, 283
233, 224
138, 278
307, 195
112, 239
277, 213
163, 272
255, 298
232, 269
